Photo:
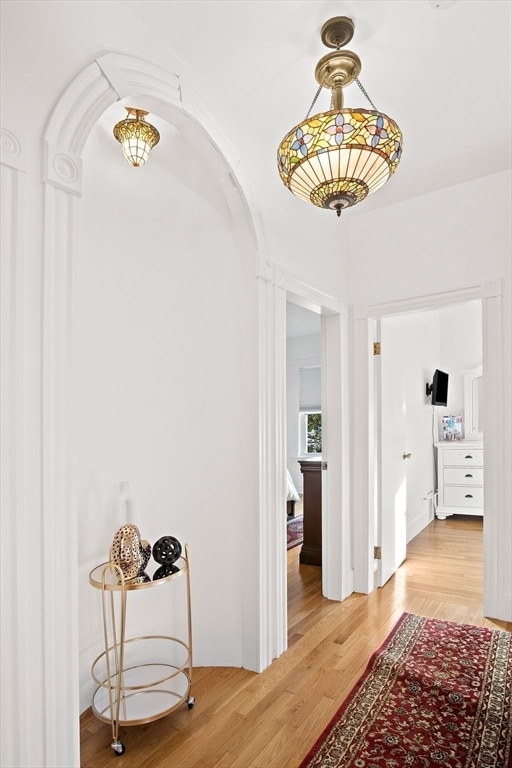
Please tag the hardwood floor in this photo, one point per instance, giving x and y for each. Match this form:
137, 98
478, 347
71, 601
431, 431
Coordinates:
270, 720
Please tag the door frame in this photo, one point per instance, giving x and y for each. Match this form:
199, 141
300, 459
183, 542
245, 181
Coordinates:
366, 444
276, 287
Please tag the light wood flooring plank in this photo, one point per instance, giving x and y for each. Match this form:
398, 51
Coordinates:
245, 720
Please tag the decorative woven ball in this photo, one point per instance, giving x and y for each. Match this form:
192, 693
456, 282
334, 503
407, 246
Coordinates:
166, 550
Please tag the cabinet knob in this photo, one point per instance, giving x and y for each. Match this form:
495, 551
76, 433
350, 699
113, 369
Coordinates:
468, 456
468, 475
468, 496
406, 456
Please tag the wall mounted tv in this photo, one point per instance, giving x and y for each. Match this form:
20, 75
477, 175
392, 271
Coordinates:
439, 388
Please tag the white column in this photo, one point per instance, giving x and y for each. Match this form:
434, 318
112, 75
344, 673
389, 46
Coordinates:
63, 177
12, 186
272, 392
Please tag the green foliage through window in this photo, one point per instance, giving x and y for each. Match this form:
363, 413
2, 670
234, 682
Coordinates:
314, 432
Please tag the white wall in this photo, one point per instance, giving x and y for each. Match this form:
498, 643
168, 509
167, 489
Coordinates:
164, 390
436, 243
460, 351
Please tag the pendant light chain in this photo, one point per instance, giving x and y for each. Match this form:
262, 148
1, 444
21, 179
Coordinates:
363, 89
313, 102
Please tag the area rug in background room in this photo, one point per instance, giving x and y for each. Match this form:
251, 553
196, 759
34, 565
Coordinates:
294, 532
436, 693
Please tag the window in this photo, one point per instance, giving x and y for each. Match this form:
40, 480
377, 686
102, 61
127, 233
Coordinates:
310, 431
310, 408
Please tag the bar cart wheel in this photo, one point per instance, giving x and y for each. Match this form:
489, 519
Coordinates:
118, 747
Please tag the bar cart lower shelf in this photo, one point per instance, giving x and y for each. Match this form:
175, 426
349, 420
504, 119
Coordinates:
139, 679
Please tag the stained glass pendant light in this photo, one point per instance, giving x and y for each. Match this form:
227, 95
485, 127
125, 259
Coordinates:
136, 136
336, 159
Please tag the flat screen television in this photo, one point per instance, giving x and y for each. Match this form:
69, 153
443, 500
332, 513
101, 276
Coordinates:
439, 388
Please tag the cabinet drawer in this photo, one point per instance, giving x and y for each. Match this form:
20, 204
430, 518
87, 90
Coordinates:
458, 496
463, 458
463, 475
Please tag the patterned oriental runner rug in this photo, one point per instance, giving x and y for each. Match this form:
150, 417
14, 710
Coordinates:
436, 693
294, 532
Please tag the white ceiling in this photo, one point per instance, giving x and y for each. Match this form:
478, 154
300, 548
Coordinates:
301, 321
441, 69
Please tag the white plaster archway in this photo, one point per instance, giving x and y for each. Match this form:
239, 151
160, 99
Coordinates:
105, 81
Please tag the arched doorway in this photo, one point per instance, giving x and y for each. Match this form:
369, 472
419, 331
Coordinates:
104, 82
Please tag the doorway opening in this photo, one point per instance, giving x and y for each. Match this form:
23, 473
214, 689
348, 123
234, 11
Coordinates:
408, 427
303, 405
336, 546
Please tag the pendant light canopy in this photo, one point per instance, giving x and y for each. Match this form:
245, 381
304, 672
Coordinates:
336, 159
136, 136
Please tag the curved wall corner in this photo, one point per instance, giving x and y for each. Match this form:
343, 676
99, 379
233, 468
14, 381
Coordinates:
109, 79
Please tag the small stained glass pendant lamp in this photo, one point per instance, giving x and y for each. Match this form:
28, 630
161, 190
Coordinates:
336, 159
136, 136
